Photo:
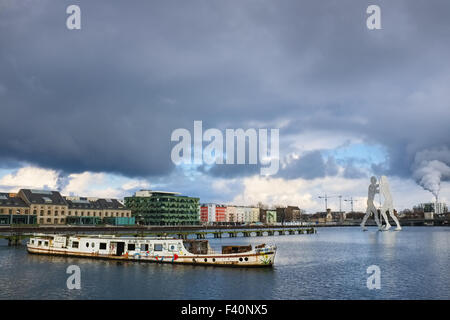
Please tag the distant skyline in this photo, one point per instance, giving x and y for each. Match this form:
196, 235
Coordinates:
90, 112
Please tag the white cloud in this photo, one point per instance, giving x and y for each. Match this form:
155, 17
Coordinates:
30, 178
83, 183
136, 184
305, 193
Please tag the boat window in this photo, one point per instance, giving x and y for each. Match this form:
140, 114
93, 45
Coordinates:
92, 245
87, 244
102, 246
144, 247
158, 247
131, 247
32, 241
39, 243
75, 244
172, 247
46, 243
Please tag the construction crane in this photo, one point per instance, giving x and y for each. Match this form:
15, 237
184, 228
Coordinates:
351, 200
325, 197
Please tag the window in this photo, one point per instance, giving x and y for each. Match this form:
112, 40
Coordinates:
42, 212
93, 245
39, 243
158, 247
46, 243
87, 244
75, 244
144, 247
131, 247
102, 246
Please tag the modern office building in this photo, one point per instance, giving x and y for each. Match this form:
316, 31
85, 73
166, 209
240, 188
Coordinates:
163, 208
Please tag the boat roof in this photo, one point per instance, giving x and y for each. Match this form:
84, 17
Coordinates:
102, 236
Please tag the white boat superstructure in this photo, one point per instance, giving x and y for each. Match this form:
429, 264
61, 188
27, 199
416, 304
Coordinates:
151, 249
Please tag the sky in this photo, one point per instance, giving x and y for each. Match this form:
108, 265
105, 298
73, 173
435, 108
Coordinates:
90, 112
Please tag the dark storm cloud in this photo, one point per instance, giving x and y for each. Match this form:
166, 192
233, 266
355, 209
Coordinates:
309, 166
107, 97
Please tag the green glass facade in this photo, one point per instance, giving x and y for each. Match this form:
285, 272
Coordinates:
164, 209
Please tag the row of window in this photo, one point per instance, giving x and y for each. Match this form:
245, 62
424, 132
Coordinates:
56, 213
99, 214
130, 246
13, 211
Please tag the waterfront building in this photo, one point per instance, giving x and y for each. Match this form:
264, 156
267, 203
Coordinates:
247, 214
230, 214
254, 215
212, 213
163, 208
49, 207
268, 216
14, 208
241, 214
428, 210
288, 214
45, 207
271, 216
85, 210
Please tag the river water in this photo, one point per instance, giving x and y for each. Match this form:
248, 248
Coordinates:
332, 264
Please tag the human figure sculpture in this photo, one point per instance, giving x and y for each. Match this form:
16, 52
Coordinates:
373, 189
388, 205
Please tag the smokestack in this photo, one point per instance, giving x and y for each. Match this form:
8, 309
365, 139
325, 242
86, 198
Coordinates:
436, 206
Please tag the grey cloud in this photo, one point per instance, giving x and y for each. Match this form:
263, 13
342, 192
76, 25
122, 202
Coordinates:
107, 97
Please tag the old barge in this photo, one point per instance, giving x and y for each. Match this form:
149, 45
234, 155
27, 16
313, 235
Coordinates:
151, 249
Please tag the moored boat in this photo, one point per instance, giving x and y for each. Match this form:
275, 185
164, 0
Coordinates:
151, 249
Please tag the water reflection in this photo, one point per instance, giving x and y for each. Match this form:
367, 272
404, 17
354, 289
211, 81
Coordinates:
328, 265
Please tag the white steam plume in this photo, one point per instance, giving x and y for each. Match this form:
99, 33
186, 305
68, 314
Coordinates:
430, 167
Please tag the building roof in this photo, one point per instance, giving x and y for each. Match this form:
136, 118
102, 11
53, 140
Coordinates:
9, 200
111, 204
149, 193
94, 203
43, 197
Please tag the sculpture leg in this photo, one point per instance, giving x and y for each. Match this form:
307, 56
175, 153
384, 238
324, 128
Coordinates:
383, 213
391, 213
363, 223
377, 220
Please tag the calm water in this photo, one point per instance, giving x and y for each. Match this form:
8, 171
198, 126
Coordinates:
331, 264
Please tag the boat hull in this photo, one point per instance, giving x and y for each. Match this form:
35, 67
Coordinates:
253, 258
